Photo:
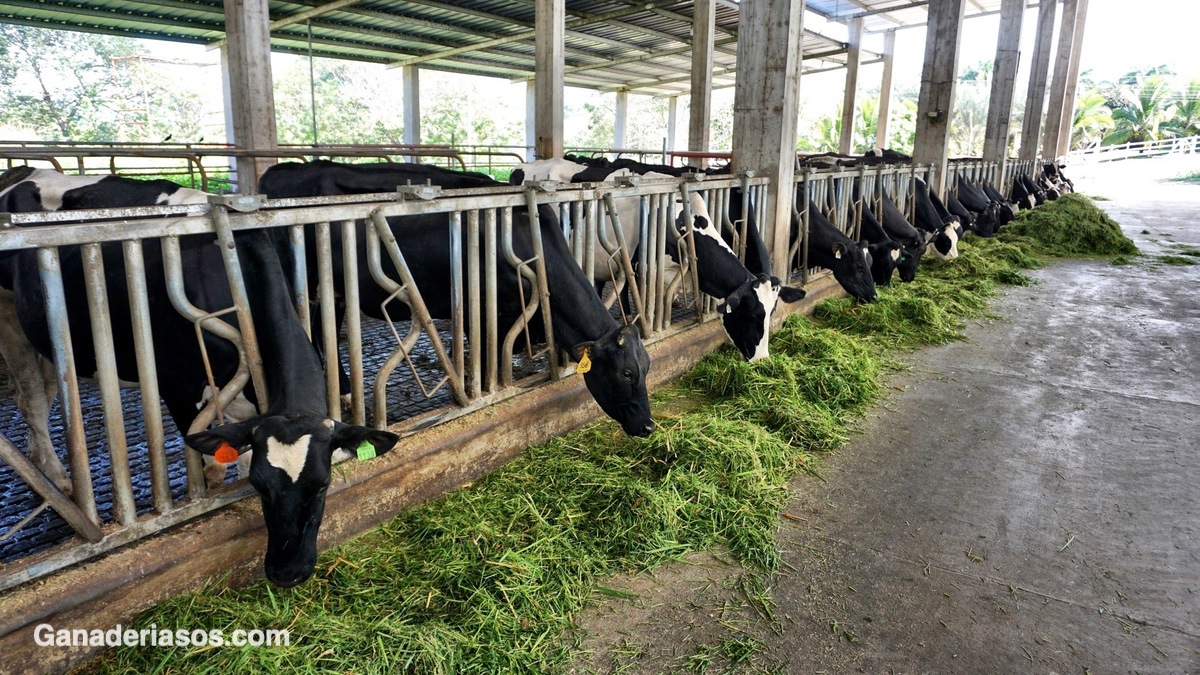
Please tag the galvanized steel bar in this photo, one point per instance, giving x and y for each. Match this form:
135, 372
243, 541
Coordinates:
78, 520
329, 327
123, 508
143, 346
543, 283
457, 326
300, 277
475, 372
489, 293
354, 345
241, 301
627, 265
50, 269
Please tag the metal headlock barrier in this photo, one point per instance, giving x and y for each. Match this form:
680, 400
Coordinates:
410, 367
130, 477
841, 194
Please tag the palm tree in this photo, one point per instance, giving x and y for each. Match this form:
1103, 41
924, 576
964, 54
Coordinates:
1186, 121
1140, 109
1093, 118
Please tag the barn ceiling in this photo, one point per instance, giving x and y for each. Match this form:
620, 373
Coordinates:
639, 45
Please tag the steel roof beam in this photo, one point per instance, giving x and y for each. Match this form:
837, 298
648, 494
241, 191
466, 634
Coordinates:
301, 16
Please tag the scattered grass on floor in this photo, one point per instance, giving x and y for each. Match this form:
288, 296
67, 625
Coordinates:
1177, 260
490, 578
1193, 177
1122, 260
1069, 226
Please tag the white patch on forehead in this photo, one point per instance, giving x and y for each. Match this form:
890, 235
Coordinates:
895, 254
52, 184
953, 235
289, 457
767, 294
556, 169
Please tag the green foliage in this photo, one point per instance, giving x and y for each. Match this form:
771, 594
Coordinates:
1093, 118
372, 115
69, 86
1070, 226
1141, 107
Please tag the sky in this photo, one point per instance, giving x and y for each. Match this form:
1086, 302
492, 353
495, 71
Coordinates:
1119, 37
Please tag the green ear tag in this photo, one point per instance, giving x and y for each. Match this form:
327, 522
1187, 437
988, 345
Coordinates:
366, 450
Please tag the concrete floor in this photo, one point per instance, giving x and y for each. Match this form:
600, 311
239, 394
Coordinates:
1026, 501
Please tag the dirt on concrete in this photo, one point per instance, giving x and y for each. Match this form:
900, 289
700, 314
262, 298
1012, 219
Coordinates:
1025, 501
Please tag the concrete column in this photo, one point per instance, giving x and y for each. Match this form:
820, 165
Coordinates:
1058, 85
850, 98
1031, 128
548, 77
1068, 118
249, 86
939, 75
672, 122
704, 22
765, 108
411, 82
621, 119
530, 116
1004, 82
885, 88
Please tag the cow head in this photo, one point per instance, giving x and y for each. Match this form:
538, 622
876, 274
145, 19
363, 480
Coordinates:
885, 258
746, 313
852, 269
617, 377
910, 259
290, 469
945, 242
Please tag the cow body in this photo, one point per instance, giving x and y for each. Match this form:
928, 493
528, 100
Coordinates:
850, 261
944, 236
886, 255
617, 379
914, 241
292, 498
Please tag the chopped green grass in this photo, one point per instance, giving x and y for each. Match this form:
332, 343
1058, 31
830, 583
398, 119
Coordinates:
1177, 260
1070, 226
489, 578
1122, 260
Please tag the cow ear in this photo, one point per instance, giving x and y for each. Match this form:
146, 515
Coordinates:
790, 294
728, 305
577, 350
237, 435
352, 436
839, 249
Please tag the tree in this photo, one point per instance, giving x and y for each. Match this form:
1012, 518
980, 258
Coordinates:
1186, 121
1093, 119
341, 116
1140, 108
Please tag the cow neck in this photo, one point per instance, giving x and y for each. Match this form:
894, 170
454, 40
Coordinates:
293, 372
576, 310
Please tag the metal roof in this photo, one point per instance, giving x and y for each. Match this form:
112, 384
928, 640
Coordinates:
642, 45
882, 15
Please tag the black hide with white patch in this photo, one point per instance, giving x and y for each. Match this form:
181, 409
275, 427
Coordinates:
902, 232
886, 255
850, 261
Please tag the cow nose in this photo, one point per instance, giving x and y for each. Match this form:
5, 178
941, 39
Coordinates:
649, 428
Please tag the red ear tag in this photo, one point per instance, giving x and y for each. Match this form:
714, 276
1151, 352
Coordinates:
226, 453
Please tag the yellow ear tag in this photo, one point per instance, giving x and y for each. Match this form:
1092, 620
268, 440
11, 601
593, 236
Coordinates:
366, 450
585, 363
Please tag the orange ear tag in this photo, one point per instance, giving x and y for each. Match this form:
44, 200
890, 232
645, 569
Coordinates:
226, 453
585, 363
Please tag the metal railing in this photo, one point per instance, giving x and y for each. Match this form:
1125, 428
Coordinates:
1158, 148
448, 364
841, 194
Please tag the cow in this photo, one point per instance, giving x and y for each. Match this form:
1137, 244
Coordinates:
914, 241
581, 323
944, 240
886, 255
850, 261
288, 448
748, 292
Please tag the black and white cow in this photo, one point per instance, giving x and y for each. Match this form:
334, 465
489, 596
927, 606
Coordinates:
914, 241
886, 255
748, 292
944, 240
581, 323
850, 261
294, 440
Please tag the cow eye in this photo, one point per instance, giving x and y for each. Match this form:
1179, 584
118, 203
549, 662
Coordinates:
628, 374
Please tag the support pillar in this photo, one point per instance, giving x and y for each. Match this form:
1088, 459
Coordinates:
939, 75
1031, 128
548, 77
885, 88
672, 124
1068, 118
849, 100
621, 119
411, 76
1004, 83
704, 22
1058, 85
249, 86
530, 126
765, 109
